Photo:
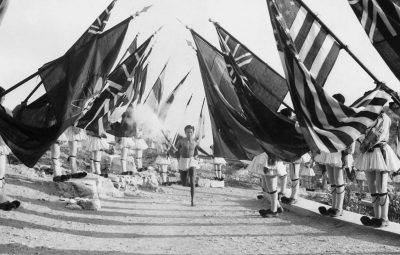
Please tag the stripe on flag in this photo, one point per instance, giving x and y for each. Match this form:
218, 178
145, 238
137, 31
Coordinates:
332, 126
317, 49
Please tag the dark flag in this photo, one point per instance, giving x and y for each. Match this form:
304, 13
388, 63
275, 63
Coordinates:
143, 80
231, 137
97, 27
201, 124
67, 81
3, 8
327, 124
162, 115
277, 133
154, 98
133, 46
269, 87
119, 82
381, 21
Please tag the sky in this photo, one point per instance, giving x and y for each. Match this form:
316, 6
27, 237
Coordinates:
35, 32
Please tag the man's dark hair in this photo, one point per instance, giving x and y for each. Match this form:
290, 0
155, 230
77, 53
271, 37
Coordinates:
339, 97
189, 127
2, 90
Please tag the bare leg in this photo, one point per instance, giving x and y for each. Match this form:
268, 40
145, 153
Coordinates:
381, 181
372, 188
192, 183
183, 175
73, 150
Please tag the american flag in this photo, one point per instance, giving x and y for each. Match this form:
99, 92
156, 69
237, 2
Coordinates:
317, 49
164, 108
119, 82
3, 8
328, 125
154, 98
269, 87
381, 21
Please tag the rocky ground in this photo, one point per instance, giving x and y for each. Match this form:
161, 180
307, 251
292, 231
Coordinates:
161, 221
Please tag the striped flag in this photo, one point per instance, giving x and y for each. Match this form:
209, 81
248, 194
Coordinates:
97, 27
119, 82
381, 21
316, 48
268, 86
154, 98
164, 108
3, 8
328, 125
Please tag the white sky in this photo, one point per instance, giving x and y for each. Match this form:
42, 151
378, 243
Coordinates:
35, 32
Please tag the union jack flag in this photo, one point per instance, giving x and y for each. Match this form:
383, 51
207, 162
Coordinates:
269, 87
97, 27
119, 82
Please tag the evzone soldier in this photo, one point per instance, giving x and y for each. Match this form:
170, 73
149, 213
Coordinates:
73, 136
294, 169
125, 140
272, 168
162, 162
6, 203
335, 162
378, 160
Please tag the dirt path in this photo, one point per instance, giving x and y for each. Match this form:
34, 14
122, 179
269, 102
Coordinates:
224, 221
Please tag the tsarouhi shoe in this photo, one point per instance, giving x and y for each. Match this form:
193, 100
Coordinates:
78, 175
61, 178
269, 214
288, 200
280, 210
366, 221
8, 206
322, 210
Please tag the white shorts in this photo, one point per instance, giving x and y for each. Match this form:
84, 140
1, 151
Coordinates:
185, 163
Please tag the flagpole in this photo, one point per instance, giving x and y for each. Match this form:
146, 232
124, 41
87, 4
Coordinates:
388, 90
33, 91
19, 84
